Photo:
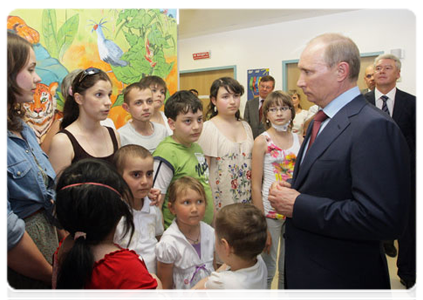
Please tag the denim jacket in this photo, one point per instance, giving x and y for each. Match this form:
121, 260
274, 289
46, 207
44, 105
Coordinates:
26, 189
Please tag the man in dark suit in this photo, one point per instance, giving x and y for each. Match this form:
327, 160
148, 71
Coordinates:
369, 79
401, 106
349, 190
252, 107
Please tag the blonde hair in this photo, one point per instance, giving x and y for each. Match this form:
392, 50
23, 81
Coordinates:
180, 185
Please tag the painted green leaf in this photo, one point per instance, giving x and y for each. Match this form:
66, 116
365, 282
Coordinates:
49, 31
67, 34
119, 101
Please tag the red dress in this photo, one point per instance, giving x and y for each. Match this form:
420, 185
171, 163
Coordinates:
121, 269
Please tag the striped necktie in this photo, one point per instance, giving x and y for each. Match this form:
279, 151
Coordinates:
384, 106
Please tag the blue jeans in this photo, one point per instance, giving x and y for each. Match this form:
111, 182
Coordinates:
276, 229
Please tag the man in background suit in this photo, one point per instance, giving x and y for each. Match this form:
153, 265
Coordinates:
369, 79
350, 189
401, 106
252, 107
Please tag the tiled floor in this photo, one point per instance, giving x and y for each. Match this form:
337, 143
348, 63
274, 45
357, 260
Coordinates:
392, 263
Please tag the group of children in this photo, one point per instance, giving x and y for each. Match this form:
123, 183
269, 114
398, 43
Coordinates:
157, 212
197, 227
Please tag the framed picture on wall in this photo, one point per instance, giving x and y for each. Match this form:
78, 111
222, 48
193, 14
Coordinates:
254, 77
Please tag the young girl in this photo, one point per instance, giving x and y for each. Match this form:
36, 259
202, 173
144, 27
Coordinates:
274, 155
240, 238
158, 87
135, 164
185, 252
65, 88
227, 142
89, 206
82, 135
32, 239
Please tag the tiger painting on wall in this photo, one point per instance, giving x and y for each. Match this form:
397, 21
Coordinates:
41, 113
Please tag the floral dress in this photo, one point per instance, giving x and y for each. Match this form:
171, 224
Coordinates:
230, 165
278, 165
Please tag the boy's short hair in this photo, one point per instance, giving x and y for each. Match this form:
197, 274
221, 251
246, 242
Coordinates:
154, 80
182, 102
136, 85
244, 227
133, 151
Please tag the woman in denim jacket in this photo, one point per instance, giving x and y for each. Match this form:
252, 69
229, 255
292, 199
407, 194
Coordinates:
32, 239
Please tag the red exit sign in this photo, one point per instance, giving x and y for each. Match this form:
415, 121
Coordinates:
201, 55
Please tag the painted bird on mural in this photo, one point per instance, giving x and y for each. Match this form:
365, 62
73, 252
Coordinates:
108, 50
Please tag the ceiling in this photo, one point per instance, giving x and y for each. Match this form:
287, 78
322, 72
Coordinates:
197, 22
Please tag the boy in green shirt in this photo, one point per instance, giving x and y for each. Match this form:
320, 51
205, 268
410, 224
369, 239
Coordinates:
179, 155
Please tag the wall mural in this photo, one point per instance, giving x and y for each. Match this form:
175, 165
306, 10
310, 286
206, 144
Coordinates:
128, 44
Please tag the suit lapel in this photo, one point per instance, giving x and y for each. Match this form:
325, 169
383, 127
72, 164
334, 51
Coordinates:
301, 152
398, 106
329, 134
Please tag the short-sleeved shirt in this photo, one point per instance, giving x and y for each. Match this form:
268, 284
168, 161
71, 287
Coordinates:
188, 266
148, 225
120, 269
128, 135
182, 161
254, 277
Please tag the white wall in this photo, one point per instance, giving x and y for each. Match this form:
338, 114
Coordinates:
267, 46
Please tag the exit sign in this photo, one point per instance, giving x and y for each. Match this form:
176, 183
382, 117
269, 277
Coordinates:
201, 55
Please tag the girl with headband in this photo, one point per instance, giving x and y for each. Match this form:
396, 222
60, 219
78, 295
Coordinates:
91, 199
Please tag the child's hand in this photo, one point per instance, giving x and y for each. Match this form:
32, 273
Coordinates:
154, 196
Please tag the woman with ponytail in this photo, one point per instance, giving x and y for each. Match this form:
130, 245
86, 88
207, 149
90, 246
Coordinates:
91, 199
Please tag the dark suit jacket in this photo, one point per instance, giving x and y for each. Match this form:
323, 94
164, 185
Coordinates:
352, 198
251, 115
407, 116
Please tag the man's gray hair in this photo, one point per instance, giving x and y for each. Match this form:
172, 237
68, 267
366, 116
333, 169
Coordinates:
389, 56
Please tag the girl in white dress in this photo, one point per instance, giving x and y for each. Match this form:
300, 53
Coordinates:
274, 155
185, 253
240, 238
301, 115
227, 142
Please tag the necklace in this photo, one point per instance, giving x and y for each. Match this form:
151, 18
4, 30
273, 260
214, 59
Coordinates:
196, 241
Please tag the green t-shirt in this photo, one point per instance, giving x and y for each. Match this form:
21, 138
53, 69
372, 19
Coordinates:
184, 161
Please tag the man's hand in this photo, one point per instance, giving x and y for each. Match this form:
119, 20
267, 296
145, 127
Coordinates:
282, 198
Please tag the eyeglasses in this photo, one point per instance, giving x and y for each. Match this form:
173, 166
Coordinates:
88, 72
276, 109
